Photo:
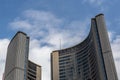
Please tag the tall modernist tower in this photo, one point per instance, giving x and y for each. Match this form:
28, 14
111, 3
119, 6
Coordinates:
89, 60
17, 63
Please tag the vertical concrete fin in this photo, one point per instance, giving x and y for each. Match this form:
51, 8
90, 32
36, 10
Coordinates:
105, 47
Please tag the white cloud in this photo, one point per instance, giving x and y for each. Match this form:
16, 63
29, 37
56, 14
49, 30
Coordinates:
3, 50
37, 23
116, 53
41, 55
21, 24
101, 5
46, 26
115, 42
95, 2
111, 36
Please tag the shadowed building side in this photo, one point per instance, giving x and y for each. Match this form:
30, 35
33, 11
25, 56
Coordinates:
33, 71
89, 60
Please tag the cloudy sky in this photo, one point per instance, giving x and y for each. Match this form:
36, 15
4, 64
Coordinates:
51, 22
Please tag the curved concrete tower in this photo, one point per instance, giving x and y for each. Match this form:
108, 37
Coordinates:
91, 59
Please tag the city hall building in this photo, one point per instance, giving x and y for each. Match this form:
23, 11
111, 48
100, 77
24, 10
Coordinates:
18, 67
91, 59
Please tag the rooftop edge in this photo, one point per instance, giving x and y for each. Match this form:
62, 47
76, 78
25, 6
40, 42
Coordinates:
99, 15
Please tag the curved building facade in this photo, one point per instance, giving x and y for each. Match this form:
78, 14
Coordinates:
89, 60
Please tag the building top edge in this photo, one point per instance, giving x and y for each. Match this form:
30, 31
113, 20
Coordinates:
17, 34
101, 14
92, 18
34, 63
21, 32
73, 45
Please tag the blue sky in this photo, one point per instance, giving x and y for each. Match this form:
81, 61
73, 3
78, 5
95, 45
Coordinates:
70, 10
48, 21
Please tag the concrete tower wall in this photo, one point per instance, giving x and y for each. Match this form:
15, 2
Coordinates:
18, 67
16, 57
55, 66
106, 49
